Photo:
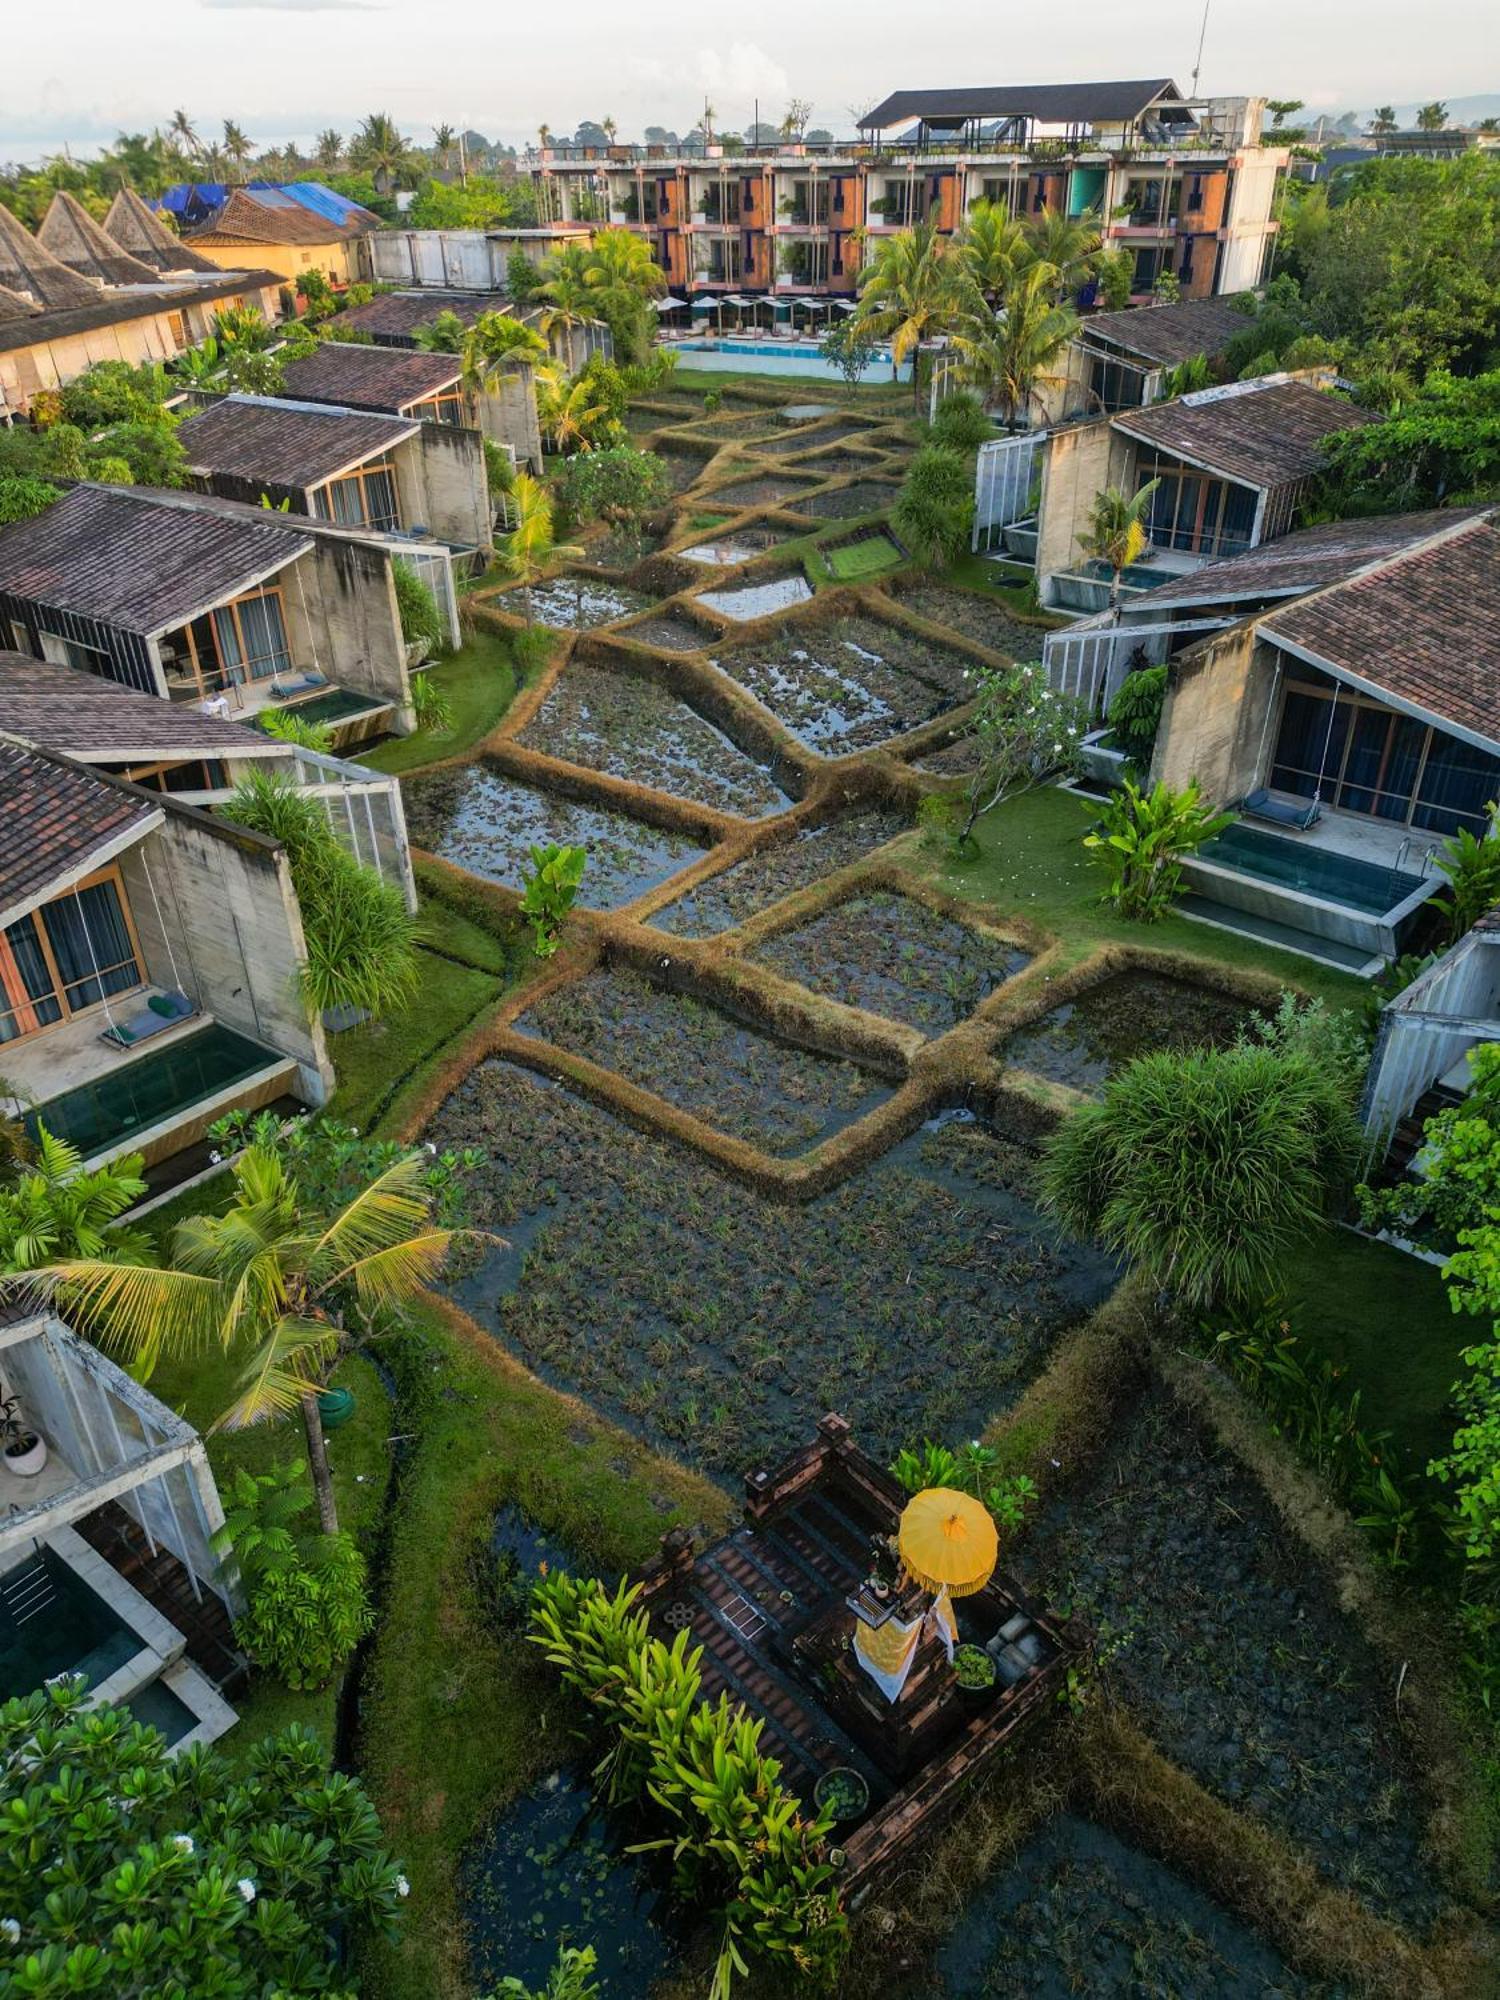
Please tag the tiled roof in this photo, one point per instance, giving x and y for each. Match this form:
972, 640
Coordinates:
143, 561
27, 267
116, 308
285, 443
75, 239
59, 708
1310, 559
267, 216
1423, 628
369, 378
1266, 433
396, 315
1050, 103
1168, 334
141, 231
53, 818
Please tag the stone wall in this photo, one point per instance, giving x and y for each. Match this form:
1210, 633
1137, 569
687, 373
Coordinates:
1080, 463
507, 413
443, 485
341, 607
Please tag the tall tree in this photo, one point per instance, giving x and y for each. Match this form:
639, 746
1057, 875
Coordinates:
1384, 119
329, 148
1432, 117
379, 150
444, 139
911, 290
992, 248
183, 131
1116, 533
1010, 353
531, 546
238, 147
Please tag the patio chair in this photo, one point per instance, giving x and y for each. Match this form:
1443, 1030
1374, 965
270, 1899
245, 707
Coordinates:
161, 1011
1297, 815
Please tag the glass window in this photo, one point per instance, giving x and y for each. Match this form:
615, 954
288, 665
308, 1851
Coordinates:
1456, 786
91, 944
27, 999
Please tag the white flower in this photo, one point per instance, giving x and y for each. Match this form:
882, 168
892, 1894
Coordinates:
183, 1842
215, 1159
403, 1887
10, 1930
246, 1888
432, 1148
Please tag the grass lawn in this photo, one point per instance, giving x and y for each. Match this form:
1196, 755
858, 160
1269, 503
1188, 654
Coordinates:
976, 572
480, 681
1032, 860
457, 1716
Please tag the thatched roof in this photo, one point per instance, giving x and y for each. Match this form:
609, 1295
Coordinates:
28, 267
75, 239
140, 231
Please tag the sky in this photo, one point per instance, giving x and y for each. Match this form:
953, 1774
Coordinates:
78, 71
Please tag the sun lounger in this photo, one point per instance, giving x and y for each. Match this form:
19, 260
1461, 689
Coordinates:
1297, 814
304, 683
161, 1011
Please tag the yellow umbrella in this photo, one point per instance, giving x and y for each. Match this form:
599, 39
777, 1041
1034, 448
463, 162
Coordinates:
948, 1542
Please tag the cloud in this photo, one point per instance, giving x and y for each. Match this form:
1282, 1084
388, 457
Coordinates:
733, 76
292, 6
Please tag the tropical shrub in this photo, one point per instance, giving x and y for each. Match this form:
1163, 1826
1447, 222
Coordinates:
125, 1869
531, 545
617, 483
1336, 1042
1454, 1200
57, 1207
737, 1834
851, 346
287, 726
572, 1978
961, 424
1135, 713
434, 710
23, 497
1117, 532
1472, 866
421, 617
307, 1606
549, 889
333, 1163
1205, 1169
1141, 837
971, 1470
1024, 732
361, 939
935, 507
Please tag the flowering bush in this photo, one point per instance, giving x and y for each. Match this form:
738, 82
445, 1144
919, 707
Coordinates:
125, 1870
1024, 731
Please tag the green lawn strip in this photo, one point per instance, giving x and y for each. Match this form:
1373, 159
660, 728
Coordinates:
865, 558
1010, 583
1385, 1317
480, 682
378, 1062
1032, 860
455, 1720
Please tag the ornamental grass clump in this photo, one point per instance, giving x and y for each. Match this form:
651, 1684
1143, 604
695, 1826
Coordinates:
738, 1835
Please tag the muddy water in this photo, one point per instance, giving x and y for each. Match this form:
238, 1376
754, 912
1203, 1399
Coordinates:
1082, 1042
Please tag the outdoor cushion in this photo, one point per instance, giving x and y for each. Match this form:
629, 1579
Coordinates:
159, 1012
1296, 813
311, 679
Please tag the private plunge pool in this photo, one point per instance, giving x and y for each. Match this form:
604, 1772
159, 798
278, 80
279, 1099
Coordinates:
1307, 887
52, 1623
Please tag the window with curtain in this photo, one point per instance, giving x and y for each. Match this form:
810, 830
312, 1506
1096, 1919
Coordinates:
72, 953
251, 636
1363, 758
27, 999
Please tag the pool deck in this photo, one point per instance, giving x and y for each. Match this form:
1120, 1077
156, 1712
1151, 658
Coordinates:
71, 1054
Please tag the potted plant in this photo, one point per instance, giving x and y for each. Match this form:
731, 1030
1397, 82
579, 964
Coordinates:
841, 1792
24, 1449
974, 1671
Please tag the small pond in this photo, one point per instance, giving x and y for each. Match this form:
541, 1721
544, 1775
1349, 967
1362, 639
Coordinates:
741, 546
574, 602
776, 871
1081, 1916
485, 822
552, 1869
892, 955
1127, 1015
866, 496
850, 684
631, 728
758, 600
734, 1077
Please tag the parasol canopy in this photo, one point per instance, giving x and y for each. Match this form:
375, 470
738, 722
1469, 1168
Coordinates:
947, 1541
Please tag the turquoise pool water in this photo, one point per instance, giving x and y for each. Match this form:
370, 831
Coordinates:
140, 1094
334, 706
1316, 871
52, 1623
778, 357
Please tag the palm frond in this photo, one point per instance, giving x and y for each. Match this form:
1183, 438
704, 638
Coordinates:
139, 1308
280, 1372
388, 1276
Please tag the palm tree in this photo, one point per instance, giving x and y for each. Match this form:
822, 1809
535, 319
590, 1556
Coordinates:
444, 139
1066, 242
214, 161
489, 344
529, 548
544, 135
1116, 533
181, 129
609, 128
1432, 117
570, 413
267, 1280
237, 147
911, 290
329, 148
992, 248
565, 290
379, 150
1010, 353
1384, 119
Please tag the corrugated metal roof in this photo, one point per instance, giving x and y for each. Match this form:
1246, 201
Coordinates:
1048, 103
284, 443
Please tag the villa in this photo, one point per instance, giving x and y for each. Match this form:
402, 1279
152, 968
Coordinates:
190, 597
1120, 360
397, 475
150, 959
429, 387
107, 1565
291, 230
392, 319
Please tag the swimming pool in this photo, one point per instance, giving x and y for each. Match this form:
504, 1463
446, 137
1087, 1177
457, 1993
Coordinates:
778, 357
117, 1107
1314, 871
52, 1623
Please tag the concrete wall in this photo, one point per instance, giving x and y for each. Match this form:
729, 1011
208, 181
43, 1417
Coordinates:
507, 413
441, 477
1080, 463
341, 609
216, 914
1217, 720
291, 261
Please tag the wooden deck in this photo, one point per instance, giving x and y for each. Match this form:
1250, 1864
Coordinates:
162, 1580
768, 1606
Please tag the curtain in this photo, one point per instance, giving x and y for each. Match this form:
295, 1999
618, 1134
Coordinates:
27, 1000
1307, 747
1457, 784
88, 931
380, 500
266, 650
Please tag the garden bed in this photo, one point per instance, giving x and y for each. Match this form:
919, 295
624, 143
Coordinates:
741, 546
749, 601
735, 1077
919, 1296
865, 555
823, 430
866, 496
575, 602
893, 955
959, 759
630, 728
850, 684
780, 870
983, 620
764, 490
1079, 1913
1127, 1015
623, 548
483, 821
837, 464
1234, 1656
669, 632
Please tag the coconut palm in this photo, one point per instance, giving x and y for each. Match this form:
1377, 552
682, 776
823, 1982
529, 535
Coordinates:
912, 289
238, 148
1066, 242
1384, 119
544, 135
444, 139
1009, 353
329, 148
609, 128
572, 415
992, 248
181, 130
267, 1281
494, 340
564, 290
379, 150
1117, 533
527, 551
